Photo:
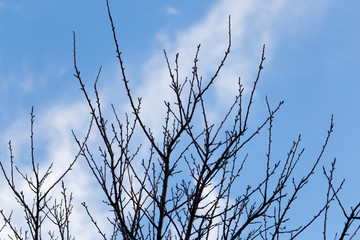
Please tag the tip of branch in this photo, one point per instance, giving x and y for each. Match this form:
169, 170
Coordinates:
331, 123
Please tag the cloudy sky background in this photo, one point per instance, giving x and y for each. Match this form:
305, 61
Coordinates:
312, 50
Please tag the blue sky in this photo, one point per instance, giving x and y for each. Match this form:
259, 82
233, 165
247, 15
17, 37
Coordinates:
312, 62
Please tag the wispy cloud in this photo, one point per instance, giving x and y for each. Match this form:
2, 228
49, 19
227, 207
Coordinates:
11, 6
55, 144
171, 10
254, 22
25, 80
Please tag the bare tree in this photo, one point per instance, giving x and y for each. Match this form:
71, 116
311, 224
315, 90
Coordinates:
40, 208
186, 186
158, 202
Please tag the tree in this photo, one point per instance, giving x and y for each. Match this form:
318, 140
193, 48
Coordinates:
182, 185
39, 208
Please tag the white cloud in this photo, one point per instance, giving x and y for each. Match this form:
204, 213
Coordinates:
254, 22
171, 10
25, 80
61, 149
54, 143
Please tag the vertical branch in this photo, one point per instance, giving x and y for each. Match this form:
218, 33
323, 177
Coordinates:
254, 87
35, 169
133, 106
